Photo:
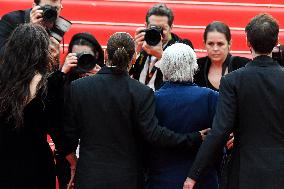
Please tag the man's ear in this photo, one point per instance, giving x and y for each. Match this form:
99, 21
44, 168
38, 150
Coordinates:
146, 25
248, 43
277, 42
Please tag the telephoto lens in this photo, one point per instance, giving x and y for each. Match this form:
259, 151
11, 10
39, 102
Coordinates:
86, 62
49, 13
153, 35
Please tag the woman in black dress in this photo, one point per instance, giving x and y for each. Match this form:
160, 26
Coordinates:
28, 93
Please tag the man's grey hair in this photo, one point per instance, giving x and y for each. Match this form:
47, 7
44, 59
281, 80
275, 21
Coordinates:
178, 63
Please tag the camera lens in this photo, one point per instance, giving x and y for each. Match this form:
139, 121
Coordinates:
152, 37
86, 62
49, 13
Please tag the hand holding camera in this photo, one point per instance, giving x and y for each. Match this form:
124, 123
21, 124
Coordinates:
139, 39
150, 40
83, 62
70, 63
48, 17
36, 15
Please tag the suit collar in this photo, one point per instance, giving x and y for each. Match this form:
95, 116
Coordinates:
169, 84
112, 70
262, 61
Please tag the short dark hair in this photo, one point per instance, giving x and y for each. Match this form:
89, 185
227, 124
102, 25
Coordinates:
219, 27
38, 1
262, 33
160, 10
120, 49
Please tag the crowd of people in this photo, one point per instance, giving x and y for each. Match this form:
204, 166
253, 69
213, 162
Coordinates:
144, 113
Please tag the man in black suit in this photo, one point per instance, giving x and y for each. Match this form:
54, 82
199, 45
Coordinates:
11, 20
251, 104
113, 114
145, 68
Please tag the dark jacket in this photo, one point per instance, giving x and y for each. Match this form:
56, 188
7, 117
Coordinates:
26, 157
251, 105
112, 115
140, 62
9, 22
231, 62
183, 108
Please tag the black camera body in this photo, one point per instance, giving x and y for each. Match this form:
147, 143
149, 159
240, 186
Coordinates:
86, 62
49, 13
153, 35
60, 24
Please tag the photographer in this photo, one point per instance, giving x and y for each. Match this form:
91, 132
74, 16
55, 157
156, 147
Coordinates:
36, 16
85, 56
150, 45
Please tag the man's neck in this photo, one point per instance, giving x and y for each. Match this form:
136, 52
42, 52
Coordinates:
255, 54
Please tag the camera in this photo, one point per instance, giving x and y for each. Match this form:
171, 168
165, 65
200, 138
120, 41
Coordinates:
278, 54
86, 62
60, 27
49, 13
60, 24
153, 35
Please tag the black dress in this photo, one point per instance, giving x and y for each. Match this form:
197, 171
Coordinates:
26, 158
231, 62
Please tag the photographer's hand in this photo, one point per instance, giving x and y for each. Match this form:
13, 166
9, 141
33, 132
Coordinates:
71, 61
156, 51
36, 15
139, 39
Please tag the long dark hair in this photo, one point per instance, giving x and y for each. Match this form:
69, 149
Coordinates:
120, 49
26, 54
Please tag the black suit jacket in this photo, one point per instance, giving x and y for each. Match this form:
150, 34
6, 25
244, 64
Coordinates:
251, 104
112, 114
9, 22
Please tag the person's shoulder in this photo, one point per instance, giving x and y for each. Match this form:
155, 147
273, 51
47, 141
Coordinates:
206, 90
82, 81
176, 38
15, 16
136, 85
202, 60
239, 61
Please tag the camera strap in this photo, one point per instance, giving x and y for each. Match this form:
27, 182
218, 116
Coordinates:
151, 72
